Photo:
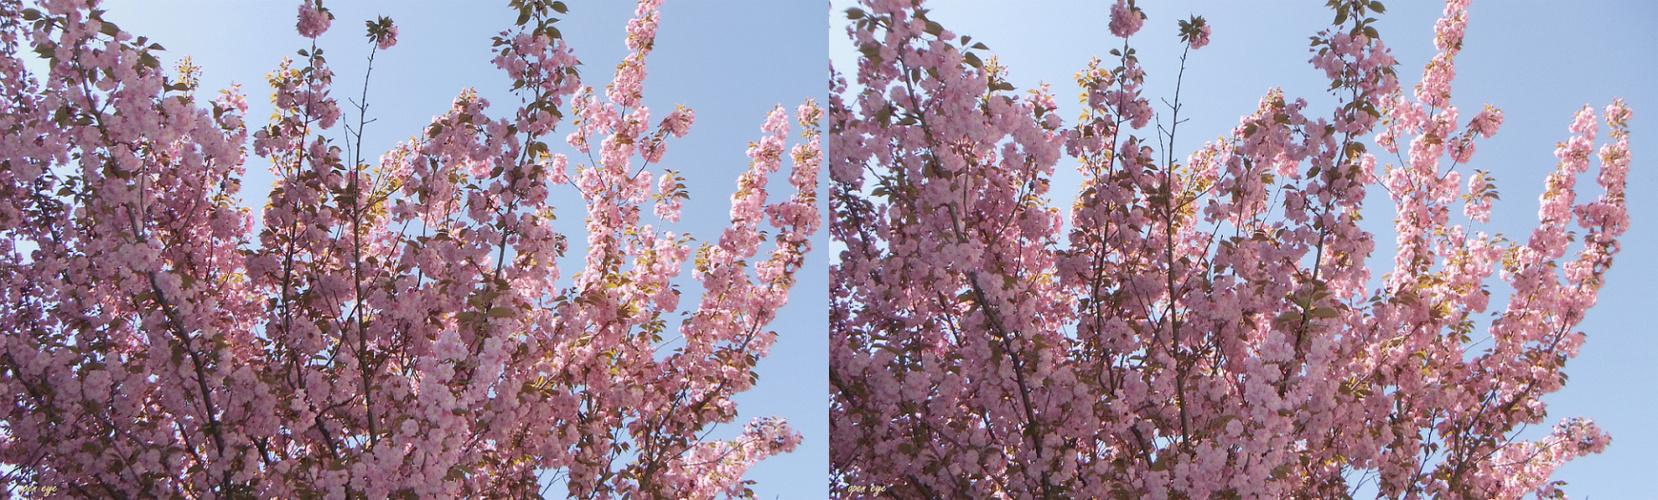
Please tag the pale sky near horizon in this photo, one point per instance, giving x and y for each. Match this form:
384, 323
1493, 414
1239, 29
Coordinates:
1538, 61
730, 61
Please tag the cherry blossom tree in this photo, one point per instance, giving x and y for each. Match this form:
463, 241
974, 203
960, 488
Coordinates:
1202, 326
397, 328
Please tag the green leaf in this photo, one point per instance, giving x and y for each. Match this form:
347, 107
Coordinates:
30, 14
871, 52
523, 16
500, 312
854, 13
559, 7
934, 29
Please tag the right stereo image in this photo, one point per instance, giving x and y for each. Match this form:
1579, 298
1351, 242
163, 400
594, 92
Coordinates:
1202, 250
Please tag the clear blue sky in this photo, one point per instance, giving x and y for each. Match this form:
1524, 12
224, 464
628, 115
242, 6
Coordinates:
1537, 61
731, 61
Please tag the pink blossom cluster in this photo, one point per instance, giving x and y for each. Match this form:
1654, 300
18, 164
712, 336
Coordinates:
1487, 121
717, 468
389, 40
1126, 19
390, 330
313, 19
1202, 38
1198, 329
627, 88
383, 32
1195, 32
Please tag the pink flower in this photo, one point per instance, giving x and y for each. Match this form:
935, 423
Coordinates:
1486, 122
679, 121
1202, 37
1126, 19
382, 32
313, 20
389, 40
